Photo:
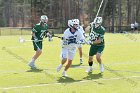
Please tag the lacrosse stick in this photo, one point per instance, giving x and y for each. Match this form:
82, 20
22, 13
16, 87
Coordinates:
56, 36
22, 40
99, 8
98, 11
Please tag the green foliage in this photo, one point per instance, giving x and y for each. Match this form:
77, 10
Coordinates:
2, 23
109, 7
19, 11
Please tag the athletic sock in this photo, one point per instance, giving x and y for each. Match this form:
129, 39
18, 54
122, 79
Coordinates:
32, 60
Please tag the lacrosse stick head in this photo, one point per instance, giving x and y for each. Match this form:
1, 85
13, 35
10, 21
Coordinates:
21, 40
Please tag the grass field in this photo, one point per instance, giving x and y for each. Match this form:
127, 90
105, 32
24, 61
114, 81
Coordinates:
121, 58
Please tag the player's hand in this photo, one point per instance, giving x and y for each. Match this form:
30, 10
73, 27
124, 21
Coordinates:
81, 42
78, 42
65, 42
88, 42
48, 34
97, 41
50, 38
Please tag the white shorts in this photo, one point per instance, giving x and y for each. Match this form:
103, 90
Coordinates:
68, 53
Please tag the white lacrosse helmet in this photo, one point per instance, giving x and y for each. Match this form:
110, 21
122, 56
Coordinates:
98, 21
70, 23
74, 22
44, 19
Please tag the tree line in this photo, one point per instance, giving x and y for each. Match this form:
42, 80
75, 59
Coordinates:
25, 13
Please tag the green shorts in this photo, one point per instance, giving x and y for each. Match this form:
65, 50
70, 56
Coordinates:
37, 45
95, 49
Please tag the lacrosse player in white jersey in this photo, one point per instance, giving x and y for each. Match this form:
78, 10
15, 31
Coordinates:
71, 38
80, 45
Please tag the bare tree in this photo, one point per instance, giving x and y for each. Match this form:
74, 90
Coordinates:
137, 10
120, 14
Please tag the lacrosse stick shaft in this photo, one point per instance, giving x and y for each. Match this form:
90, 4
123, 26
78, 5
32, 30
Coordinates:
22, 40
99, 8
32, 40
58, 36
98, 11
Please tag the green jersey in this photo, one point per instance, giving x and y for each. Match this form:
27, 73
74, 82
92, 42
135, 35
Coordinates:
39, 30
97, 33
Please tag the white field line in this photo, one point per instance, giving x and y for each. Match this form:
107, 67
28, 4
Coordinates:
83, 81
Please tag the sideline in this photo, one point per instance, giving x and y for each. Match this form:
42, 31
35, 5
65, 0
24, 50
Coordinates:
83, 81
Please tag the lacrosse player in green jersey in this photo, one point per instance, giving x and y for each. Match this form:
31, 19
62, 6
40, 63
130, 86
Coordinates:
38, 33
96, 40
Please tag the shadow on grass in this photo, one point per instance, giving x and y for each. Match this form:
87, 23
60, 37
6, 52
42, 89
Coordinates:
76, 65
66, 80
35, 70
93, 76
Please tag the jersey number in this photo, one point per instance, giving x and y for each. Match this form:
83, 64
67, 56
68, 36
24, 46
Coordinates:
72, 40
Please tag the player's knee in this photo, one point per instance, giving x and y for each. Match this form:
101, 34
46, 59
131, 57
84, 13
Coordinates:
64, 59
39, 52
98, 59
90, 59
69, 62
98, 56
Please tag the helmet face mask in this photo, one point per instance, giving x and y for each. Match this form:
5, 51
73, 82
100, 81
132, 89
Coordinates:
74, 23
44, 19
98, 21
97, 25
77, 21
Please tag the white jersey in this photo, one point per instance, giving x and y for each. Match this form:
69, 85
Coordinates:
82, 30
72, 38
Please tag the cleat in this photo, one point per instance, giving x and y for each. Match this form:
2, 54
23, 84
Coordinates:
64, 74
101, 68
32, 65
89, 70
81, 61
59, 68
